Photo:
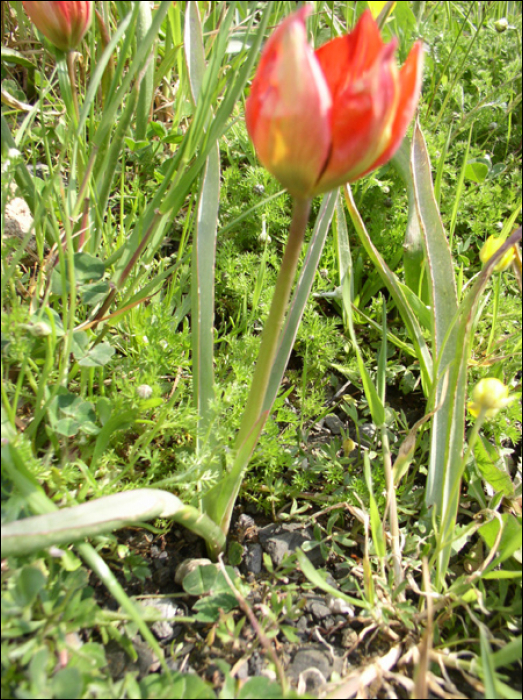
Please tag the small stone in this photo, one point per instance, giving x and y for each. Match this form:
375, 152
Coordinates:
368, 431
242, 671
187, 566
339, 606
316, 606
18, 218
256, 663
302, 624
306, 659
349, 638
253, 558
334, 424
311, 681
163, 629
281, 540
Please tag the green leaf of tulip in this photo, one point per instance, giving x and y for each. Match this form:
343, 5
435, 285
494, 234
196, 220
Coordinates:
319, 119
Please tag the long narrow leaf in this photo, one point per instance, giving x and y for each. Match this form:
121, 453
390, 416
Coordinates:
452, 466
489, 670
102, 515
145, 99
376, 523
202, 291
390, 280
376, 405
194, 50
111, 158
440, 269
413, 253
449, 422
86, 520
110, 110
219, 125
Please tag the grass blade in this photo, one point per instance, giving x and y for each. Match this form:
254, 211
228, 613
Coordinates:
202, 291
145, 99
194, 50
444, 303
413, 253
391, 282
376, 405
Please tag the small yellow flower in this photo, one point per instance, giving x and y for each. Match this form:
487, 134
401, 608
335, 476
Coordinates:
348, 445
501, 25
489, 395
491, 245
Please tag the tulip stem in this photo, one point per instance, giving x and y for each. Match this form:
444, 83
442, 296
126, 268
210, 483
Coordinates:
72, 79
273, 326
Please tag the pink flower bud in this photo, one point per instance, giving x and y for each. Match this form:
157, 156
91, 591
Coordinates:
321, 118
63, 23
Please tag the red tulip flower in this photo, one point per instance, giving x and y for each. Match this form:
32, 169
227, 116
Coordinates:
63, 23
321, 118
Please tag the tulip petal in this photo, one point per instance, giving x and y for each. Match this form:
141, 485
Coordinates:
409, 92
288, 109
344, 59
362, 74
321, 119
63, 23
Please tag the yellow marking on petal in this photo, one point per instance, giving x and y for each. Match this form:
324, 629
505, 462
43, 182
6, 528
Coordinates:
279, 148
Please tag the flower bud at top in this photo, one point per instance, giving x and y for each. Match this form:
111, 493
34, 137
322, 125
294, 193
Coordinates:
319, 119
63, 23
501, 25
490, 395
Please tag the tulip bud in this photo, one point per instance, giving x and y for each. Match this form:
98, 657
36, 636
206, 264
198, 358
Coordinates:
491, 245
63, 23
489, 395
319, 119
